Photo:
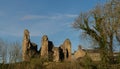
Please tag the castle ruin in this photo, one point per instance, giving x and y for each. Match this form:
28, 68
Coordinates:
52, 53
47, 50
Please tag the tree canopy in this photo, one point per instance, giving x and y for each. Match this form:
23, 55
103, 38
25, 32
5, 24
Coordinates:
102, 24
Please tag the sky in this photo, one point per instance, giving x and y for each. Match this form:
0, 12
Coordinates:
53, 18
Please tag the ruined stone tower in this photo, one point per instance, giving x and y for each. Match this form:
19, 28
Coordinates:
29, 49
65, 50
26, 44
44, 46
67, 45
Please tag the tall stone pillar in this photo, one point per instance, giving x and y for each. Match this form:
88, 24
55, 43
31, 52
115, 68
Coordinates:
44, 46
68, 53
26, 45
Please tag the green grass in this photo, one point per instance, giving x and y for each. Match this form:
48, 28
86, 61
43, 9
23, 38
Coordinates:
83, 63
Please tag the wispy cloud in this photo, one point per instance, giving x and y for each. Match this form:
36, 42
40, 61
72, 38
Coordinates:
39, 28
57, 16
71, 15
45, 24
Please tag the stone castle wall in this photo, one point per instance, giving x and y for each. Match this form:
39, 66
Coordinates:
50, 52
47, 50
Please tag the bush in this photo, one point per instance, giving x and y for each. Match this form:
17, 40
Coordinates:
86, 63
38, 63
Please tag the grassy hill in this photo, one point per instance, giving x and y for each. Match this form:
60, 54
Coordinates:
84, 63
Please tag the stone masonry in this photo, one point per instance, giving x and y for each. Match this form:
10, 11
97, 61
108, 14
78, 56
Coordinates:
48, 50
29, 49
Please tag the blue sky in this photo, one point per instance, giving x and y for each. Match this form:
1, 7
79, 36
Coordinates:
50, 17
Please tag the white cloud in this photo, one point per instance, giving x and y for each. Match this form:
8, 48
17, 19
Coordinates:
71, 15
40, 28
29, 17
57, 16
46, 24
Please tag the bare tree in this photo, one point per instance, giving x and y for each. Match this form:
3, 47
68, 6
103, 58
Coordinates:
102, 24
15, 52
10, 52
3, 51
